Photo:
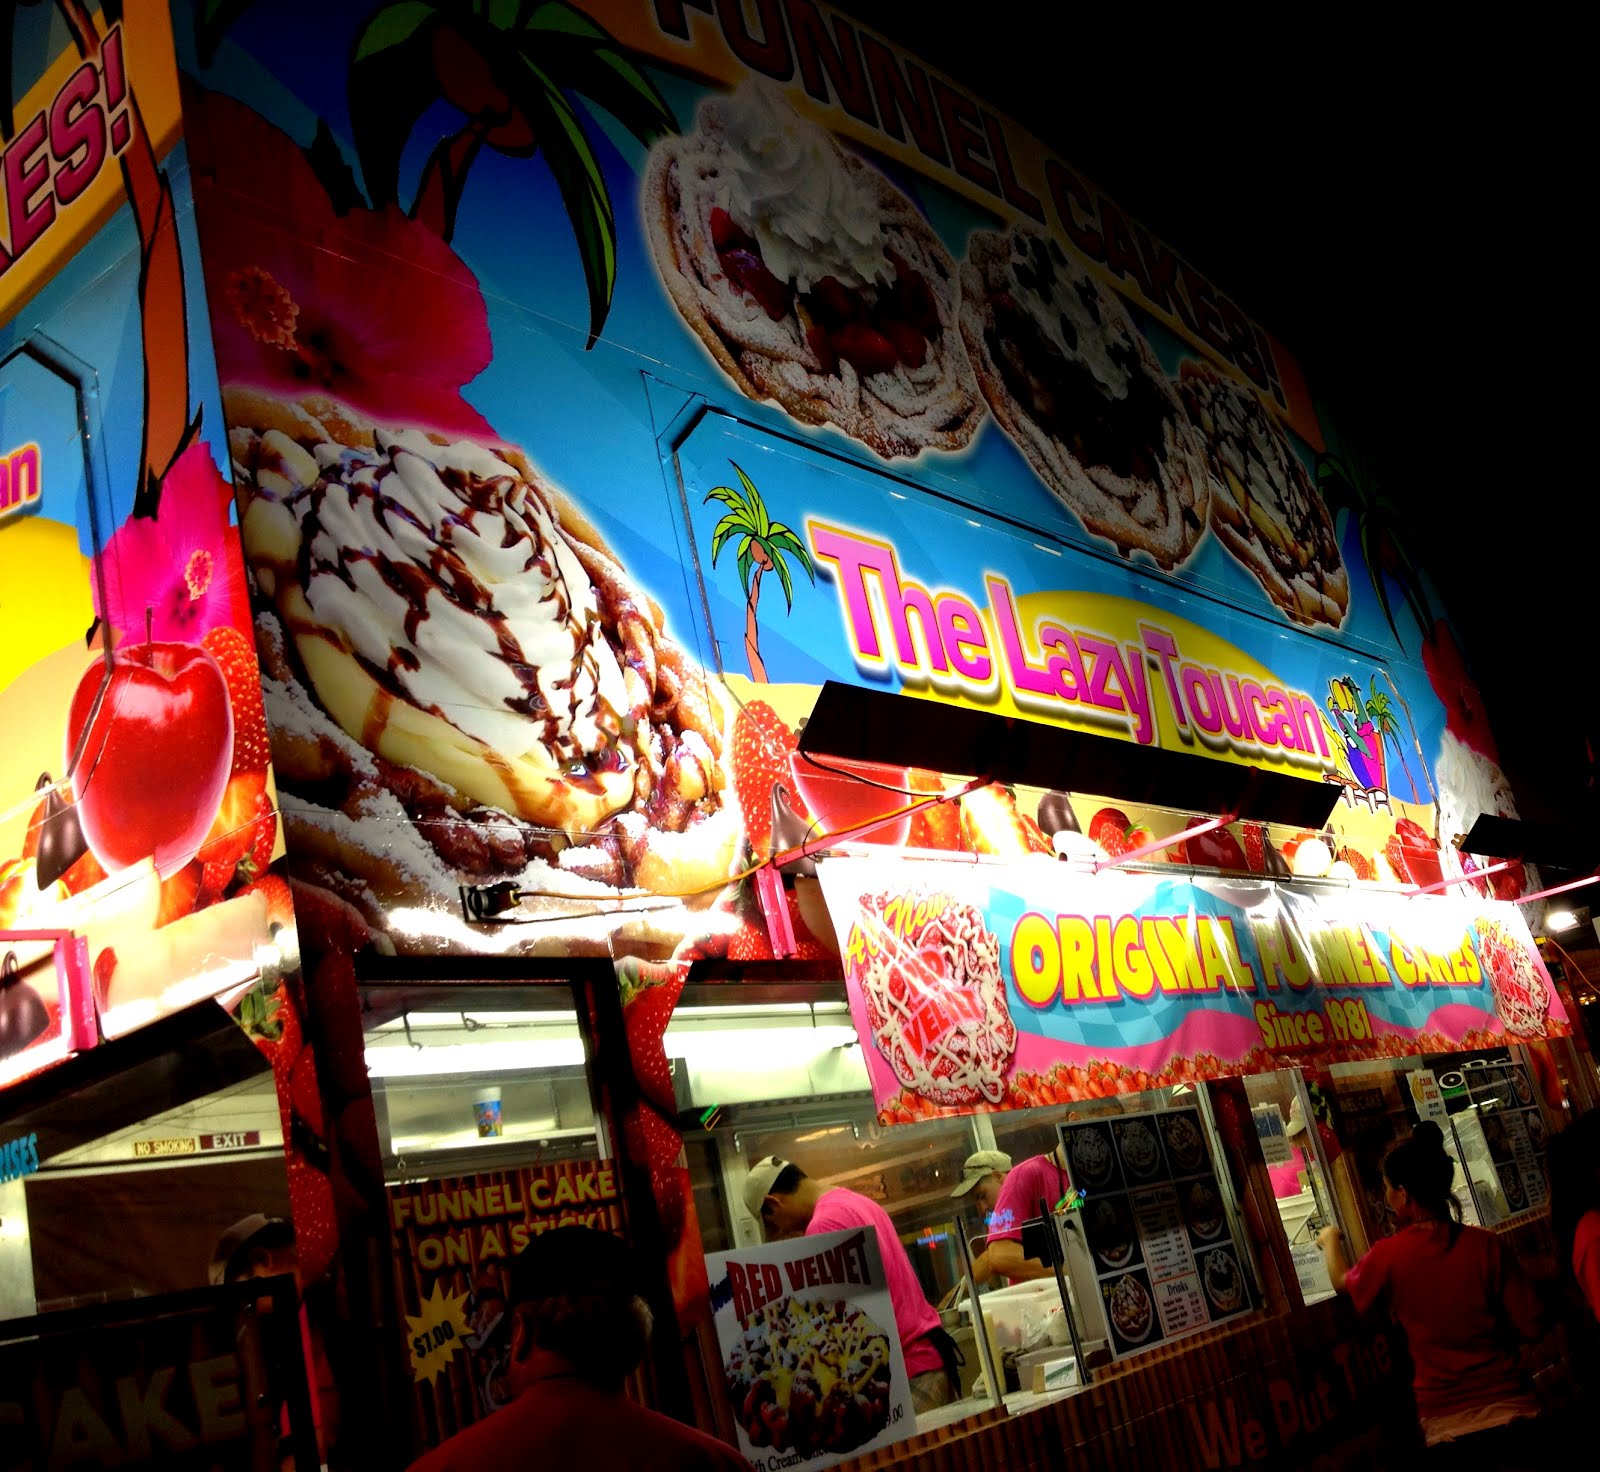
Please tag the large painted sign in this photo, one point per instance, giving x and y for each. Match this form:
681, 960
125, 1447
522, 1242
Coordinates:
827, 371
975, 987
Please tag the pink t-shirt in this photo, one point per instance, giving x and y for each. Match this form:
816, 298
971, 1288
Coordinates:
840, 1209
1285, 1178
1464, 1307
1019, 1196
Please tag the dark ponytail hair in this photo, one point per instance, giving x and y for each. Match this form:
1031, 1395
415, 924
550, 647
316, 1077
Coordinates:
1420, 1167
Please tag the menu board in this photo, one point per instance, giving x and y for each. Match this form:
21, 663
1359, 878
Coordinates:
1502, 1133
811, 1356
1165, 1258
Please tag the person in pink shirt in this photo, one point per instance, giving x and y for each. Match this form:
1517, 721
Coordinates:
1286, 1177
788, 1203
1040, 1177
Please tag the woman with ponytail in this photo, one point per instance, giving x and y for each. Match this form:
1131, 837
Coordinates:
1463, 1302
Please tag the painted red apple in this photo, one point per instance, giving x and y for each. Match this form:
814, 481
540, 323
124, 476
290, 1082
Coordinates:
1457, 691
1218, 849
156, 738
1421, 853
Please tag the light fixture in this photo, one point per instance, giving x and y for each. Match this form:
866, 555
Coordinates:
471, 1059
485, 901
1561, 919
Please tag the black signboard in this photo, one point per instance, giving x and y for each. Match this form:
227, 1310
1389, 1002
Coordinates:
210, 1380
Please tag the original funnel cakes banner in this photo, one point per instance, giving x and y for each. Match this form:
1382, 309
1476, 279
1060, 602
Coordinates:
977, 988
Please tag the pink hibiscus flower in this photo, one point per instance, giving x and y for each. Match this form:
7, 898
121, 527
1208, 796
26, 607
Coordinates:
369, 307
179, 573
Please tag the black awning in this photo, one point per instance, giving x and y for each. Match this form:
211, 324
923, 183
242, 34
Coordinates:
1549, 845
851, 723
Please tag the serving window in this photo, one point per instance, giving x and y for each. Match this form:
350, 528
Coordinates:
911, 1171
1490, 1109
1298, 1149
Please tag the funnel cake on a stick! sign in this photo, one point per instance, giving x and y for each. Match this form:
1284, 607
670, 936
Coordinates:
1003, 988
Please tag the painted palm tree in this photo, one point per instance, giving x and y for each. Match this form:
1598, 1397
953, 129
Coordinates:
764, 546
1381, 713
1348, 481
512, 67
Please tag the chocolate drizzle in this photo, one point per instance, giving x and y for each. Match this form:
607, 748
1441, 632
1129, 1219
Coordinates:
382, 488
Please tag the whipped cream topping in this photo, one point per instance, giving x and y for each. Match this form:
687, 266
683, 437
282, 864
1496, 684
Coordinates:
447, 574
811, 217
1057, 297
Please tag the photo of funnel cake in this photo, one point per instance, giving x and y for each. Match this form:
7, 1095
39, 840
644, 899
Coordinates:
464, 686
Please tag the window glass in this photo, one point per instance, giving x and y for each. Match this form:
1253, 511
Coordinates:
1292, 1144
1486, 1103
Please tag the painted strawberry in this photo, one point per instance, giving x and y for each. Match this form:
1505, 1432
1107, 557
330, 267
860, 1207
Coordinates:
180, 894
304, 1095
686, 1271
938, 826
1395, 852
1510, 884
280, 902
1114, 841
762, 744
311, 1208
655, 1146
334, 925
1364, 867
246, 809
645, 1016
237, 657
1108, 819
1253, 838
271, 1021
749, 943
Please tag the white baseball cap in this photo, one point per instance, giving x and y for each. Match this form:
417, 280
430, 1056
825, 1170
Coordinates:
978, 1166
758, 1185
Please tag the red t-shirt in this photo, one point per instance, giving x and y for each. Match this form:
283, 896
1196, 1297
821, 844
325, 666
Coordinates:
840, 1209
1463, 1307
1586, 1258
566, 1422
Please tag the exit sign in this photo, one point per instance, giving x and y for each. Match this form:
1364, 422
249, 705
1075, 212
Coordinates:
231, 1140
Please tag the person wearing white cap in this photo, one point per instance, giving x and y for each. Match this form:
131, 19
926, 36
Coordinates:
788, 1203
983, 1173
1286, 1177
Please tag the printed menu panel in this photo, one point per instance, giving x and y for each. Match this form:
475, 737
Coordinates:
1164, 1257
811, 1356
1503, 1135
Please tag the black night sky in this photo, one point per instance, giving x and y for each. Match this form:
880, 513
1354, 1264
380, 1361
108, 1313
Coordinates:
1403, 214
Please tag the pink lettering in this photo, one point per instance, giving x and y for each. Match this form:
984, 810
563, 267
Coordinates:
1165, 648
1024, 676
1202, 698
961, 630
